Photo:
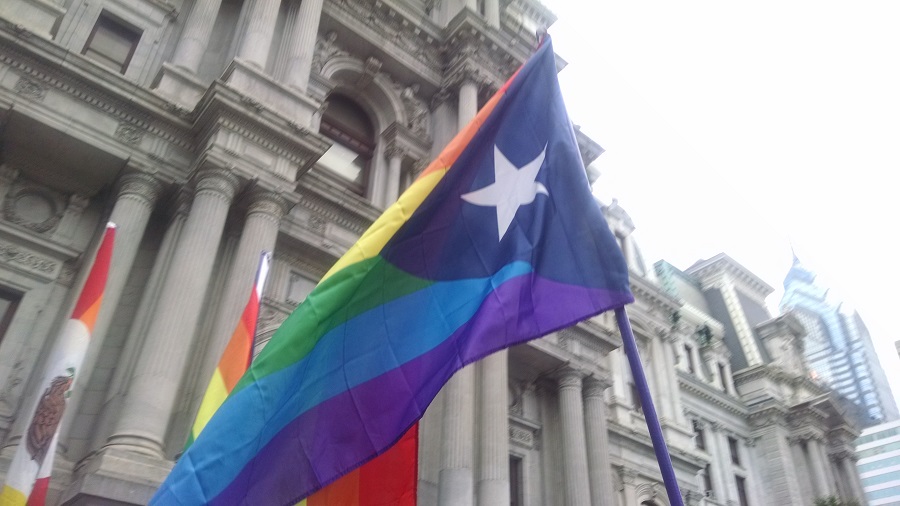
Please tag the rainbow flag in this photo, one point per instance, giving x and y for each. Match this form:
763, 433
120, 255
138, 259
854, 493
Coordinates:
29, 473
499, 241
237, 355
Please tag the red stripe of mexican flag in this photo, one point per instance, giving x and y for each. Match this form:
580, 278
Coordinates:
33, 462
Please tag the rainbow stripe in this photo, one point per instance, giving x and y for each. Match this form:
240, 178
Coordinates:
28, 477
237, 355
428, 288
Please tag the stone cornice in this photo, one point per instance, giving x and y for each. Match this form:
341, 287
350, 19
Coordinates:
347, 210
639, 440
475, 51
222, 107
654, 296
691, 385
44, 66
722, 263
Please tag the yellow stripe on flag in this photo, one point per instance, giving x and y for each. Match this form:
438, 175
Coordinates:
12, 497
371, 243
215, 395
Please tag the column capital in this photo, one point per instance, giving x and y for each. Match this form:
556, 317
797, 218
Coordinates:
393, 149
440, 97
568, 377
595, 385
269, 203
222, 183
141, 185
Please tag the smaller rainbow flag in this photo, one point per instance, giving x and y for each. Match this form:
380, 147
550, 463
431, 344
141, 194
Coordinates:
237, 355
29, 473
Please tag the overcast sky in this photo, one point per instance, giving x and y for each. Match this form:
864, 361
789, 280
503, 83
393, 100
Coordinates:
746, 127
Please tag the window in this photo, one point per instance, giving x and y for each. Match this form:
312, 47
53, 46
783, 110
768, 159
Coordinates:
353, 136
723, 376
733, 448
688, 352
707, 481
636, 399
112, 43
699, 440
9, 301
741, 483
516, 486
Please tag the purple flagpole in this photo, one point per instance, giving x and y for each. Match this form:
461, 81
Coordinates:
656, 435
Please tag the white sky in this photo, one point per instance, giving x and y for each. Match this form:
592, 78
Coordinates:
745, 127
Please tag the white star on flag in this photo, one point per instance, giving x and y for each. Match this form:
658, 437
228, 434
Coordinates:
512, 188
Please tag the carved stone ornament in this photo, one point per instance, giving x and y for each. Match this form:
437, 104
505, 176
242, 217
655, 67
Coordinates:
416, 111
129, 134
34, 207
326, 49
521, 436
30, 89
12, 254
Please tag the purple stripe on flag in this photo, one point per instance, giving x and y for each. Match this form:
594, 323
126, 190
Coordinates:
357, 422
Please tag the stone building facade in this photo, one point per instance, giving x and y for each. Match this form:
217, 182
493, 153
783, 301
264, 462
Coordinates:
210, 130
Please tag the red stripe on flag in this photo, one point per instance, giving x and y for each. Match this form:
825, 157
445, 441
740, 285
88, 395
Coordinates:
96, 281
389, 479
38, 495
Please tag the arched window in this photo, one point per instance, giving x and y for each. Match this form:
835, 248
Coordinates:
350, 156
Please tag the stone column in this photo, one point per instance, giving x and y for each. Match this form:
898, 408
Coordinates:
492, 13
819, 475
468, 102
853, 480
264, 213
138, 193
195, 34
719, 478
455, 487
257, 40
571, 415
597, 439
676, 411
302, 44
157, 377
661, 381
455, 480
493, 436
391, 188
133, 341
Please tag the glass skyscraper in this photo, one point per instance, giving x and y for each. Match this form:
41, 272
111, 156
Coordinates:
838, 346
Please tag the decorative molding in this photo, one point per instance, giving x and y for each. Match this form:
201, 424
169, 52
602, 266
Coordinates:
415, 38
86, 91
32, 194
30, 89
27, 259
